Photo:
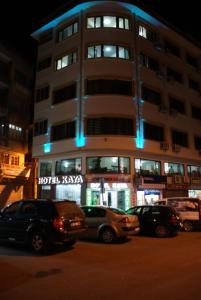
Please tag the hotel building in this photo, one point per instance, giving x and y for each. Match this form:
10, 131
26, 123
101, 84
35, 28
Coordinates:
117, 118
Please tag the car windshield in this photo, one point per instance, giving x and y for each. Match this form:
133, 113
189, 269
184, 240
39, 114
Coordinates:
117, 211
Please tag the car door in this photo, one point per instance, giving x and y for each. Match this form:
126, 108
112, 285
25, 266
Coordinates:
8, 221
146, 219
26, 215
95, 217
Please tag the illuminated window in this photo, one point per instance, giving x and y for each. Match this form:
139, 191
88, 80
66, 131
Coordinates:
147, 167
108, 22
118, 165
173, 168
66, 60
146, 33
113, 51
15, 160
68, 166
143, 31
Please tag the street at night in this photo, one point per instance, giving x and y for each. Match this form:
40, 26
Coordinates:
141, 268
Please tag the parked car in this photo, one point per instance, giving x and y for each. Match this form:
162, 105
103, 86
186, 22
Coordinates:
156, 219
189, 210
40, 223
108, 224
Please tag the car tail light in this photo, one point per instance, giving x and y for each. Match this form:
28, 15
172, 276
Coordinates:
58, 224
173, 219
125, 220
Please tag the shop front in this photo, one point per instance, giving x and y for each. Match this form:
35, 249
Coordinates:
61, 187
109, 190
149, 189
195, 187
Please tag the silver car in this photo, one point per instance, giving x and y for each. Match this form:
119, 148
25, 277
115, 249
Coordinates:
108, 224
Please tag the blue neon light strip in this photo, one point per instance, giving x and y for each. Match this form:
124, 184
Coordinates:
47, 147
140, 135
133, 9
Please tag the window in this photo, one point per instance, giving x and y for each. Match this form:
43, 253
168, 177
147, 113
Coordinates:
194, 171
194, 85
148, 62
45, 169
110, 126
110, 51
12, 209
196, 112
44, 64
171, 48
151, 96
173, 75
180, 138
46, 37
28, 209
191, 60
116, 165
146, 33
108, 22
63, 131
173, 169
42, 93
66, 60
197, 141
15, 132
65, 93
153, 132
147, 167
177, 105
68, 166
94, 212
40, 127
15, 160
67, 31
109, 86
6, 158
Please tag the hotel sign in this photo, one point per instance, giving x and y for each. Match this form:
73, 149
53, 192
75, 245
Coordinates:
67, 179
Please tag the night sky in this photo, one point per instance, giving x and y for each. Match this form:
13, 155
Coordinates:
19, 18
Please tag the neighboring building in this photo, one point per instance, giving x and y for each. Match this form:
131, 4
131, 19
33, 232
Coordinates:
16, 86
117, 107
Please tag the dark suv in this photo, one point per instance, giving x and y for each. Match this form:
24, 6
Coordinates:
41, 222
156, 219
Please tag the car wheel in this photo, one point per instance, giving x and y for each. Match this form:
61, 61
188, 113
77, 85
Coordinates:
37, 242
187, 226
107, 236
161, 231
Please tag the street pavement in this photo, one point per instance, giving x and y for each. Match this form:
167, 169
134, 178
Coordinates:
140, 268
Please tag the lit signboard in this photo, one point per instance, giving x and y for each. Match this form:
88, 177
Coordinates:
66, 179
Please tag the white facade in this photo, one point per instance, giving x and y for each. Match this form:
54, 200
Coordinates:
112, 52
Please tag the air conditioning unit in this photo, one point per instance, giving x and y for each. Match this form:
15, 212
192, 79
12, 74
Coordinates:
163, 109
176, 148
177, 179
164, 146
